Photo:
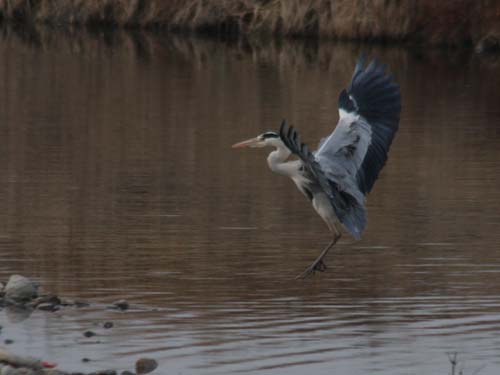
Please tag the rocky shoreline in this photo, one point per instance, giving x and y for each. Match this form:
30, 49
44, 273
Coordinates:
23, 294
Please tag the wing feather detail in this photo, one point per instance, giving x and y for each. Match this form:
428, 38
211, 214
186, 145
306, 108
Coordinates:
349, 210
369, 112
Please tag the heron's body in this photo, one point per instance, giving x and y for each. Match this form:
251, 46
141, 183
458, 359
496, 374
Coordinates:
305, 182
337, 176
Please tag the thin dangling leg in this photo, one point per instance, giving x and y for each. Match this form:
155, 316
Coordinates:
318, 264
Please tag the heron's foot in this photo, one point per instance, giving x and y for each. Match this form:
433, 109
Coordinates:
318, 265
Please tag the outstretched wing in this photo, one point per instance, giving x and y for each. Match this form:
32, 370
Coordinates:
369, 110
348, 209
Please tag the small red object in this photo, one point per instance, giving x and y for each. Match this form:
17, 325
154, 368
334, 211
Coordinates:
49, 364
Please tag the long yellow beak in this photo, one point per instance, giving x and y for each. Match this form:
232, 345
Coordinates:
247, 143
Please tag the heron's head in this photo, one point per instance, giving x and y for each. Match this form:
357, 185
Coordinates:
262, 140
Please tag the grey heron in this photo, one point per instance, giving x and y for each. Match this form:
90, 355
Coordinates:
341, 172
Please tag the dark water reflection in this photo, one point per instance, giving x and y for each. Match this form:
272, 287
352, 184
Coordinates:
118, 182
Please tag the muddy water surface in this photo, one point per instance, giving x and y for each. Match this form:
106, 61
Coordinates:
117, 180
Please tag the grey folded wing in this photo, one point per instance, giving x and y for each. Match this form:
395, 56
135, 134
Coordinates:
348, 210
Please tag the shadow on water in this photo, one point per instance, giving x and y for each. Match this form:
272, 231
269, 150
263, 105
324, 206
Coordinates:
119, 182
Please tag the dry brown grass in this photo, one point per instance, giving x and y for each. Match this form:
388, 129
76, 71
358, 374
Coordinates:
448, 22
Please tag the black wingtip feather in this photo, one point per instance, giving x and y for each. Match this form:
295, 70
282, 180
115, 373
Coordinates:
378, 101
359, 65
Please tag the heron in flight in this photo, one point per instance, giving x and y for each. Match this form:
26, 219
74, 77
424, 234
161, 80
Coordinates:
338, 175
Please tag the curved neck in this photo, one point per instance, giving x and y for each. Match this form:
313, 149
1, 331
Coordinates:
276, 159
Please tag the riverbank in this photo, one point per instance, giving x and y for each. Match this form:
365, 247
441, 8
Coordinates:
454, 23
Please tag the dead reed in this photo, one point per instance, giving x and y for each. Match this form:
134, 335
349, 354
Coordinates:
452, 22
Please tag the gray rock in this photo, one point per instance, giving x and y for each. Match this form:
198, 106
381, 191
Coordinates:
47, 307
20, 289
120, 305
19, 361
80, 304
89, 334
67, 302
75, 303
8, 341
145, 365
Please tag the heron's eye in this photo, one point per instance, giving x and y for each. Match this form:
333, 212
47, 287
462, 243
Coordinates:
269, 135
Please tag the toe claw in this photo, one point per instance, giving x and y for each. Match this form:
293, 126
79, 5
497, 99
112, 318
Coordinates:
319, 266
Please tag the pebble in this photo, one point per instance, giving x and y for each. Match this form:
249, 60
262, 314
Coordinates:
145, 365
120, 305
89, 333
47, 307
20, 292
78, 303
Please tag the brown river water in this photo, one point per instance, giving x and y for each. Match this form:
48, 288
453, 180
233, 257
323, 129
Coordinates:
117, 180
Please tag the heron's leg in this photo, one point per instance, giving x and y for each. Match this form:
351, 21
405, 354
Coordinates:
318, 264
